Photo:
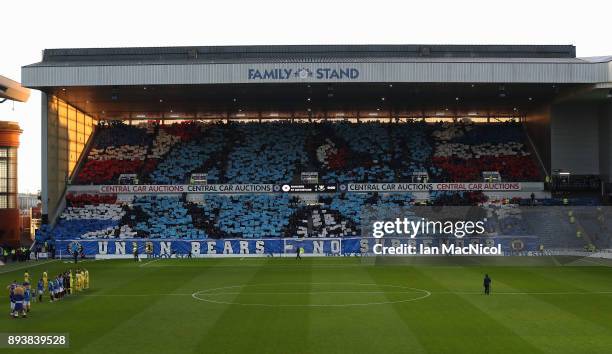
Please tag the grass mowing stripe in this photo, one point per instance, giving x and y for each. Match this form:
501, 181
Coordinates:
168, 324
567, 278
380, 328
583, 305
124, 318
262, 329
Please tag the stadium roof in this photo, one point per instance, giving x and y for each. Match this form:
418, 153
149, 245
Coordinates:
301, 53
315, 63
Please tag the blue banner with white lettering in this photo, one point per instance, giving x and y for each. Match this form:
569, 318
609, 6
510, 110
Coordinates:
308, 246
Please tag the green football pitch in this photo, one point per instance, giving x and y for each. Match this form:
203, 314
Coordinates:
327, 305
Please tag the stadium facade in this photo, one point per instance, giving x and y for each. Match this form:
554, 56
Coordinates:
9, 143
564, 103
9, 208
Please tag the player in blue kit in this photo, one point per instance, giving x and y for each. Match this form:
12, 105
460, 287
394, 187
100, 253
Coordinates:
40, 289
11, 289
56, 289
50, 288
60, 285
27, 296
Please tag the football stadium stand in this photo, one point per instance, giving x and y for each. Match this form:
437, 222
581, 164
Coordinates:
275, 153
341, 152
309, 142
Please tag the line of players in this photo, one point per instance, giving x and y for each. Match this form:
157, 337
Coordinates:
65, 283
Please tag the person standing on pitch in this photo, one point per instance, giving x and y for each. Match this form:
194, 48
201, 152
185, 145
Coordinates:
40, 289
50, 288
75, 253
45, 279
298, 253
487, 285
18, 296
27, 297
83, 279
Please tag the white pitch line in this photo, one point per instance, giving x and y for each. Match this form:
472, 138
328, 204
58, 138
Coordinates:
258, 265
310, 292
267, 293
134, 295
153, 261
523, 293
81, 261
357, 292
31, 265
403, 292
210, 300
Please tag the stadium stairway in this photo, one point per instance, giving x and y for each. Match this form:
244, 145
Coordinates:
532, 149
595, 226
553, 227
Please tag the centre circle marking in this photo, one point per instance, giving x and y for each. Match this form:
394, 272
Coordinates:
225, 290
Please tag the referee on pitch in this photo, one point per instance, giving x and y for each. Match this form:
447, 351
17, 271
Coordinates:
487, 284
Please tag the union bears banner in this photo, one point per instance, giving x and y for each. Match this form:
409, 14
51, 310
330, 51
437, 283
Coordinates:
267, 247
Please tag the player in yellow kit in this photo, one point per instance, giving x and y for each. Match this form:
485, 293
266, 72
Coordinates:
45, 280
78, 280
26, 277
86, 279
83, 279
